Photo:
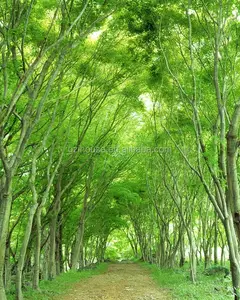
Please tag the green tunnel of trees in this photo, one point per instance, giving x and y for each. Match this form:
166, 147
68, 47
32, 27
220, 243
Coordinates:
118, 116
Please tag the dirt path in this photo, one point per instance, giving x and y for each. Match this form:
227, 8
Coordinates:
119, 282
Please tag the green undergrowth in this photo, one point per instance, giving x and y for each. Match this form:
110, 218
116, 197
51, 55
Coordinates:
60, 285
178, 282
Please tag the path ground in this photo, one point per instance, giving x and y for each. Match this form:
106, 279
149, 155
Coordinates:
119, 282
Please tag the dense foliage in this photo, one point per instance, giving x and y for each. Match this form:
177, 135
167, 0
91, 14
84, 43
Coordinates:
119, 136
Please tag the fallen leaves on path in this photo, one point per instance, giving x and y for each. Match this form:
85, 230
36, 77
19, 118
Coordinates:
119, 282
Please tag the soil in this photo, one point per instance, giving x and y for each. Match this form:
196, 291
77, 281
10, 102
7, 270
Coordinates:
120, 282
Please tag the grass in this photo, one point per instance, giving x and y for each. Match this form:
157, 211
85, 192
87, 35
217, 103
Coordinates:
178, 283
60, 285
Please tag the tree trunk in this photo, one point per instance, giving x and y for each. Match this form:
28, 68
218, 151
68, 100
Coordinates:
216, 240
234, 256
52, 251
37, 250
78, 242
21, 260
182, 252
232, 223
7, 268
81, 225
192, 256
5, 209
59, 254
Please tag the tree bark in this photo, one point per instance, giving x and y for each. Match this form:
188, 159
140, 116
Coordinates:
232, 224
21, 260
5, 210
37, 250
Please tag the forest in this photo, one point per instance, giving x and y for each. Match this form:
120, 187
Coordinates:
119, 137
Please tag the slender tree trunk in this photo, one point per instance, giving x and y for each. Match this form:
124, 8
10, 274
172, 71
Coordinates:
182, 252
53, 230
7, 268
78, 242
37, 250
232, 223
59, 254
81, 225
192, 256
216, 240
162, 248
22, 255
45, 263
81, 260
234, 256
5, 210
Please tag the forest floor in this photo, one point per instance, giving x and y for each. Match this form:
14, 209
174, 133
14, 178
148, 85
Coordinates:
121, 281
